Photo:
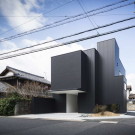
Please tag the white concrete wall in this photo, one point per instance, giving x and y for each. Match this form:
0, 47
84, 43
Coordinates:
71, 103
9, 74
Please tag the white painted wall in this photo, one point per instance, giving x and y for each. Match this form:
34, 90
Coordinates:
9, 74
128, 93
71, 103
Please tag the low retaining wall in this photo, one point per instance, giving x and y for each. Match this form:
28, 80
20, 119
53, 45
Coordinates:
42, 105
35, 106
22, 107
130, 107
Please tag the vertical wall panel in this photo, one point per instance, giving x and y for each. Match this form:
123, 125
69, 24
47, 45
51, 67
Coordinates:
86, 101
110, 87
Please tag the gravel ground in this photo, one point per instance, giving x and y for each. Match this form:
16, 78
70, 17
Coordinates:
130, 107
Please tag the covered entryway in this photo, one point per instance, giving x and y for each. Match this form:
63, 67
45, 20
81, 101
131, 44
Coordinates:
71, 99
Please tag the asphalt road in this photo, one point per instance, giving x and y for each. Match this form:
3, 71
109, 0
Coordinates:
19, 126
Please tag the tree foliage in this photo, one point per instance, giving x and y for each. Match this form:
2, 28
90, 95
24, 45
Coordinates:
102, 108
33, 89
7, 104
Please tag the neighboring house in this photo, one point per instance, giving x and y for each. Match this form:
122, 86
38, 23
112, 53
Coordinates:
132, 96
16, 78
4, 87
82, 79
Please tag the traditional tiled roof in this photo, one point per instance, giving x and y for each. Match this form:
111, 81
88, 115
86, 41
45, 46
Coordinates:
25, 75
132, 96
5, 86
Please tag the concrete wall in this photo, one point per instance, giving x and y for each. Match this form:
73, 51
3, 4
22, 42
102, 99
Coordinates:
22, 107
71, 103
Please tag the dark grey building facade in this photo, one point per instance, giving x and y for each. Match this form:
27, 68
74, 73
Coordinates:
82, 79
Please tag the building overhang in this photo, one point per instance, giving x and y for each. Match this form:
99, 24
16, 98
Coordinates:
7, 77
66, 91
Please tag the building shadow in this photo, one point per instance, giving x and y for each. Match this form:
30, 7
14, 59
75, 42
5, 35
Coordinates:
132, 113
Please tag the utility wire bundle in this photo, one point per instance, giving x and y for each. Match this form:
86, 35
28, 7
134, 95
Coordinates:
70, 19
17, 53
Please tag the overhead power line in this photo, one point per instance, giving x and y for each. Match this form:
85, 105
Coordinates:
38, 16
52, 25
87, 15
44, 27
61, 6
116, 14
66, 43
82, 32
62, 16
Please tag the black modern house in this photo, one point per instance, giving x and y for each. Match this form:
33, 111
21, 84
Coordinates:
82, 79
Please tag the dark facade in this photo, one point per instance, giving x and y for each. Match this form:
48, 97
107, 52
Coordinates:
80, 80
42, 105
86, 101
70, 69
111, 79
92, 76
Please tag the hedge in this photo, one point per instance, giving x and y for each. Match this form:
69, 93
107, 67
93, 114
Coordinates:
7, 105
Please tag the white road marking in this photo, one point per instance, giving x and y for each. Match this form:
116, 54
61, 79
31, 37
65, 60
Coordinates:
113, 122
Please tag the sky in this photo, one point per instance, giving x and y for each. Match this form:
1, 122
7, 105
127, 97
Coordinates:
18, 16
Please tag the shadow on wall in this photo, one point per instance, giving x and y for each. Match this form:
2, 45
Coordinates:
131, 113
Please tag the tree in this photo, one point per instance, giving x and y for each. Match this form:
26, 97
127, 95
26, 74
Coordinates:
33, 89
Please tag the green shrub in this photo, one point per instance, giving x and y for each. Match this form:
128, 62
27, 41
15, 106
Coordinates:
7, 105
95, 110
102, 108
114, 108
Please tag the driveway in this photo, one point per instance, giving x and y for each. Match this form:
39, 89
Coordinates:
73, 116
25, 126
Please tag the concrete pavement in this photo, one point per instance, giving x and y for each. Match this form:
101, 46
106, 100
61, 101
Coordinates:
74, 116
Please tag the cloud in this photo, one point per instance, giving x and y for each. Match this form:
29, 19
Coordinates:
131, 81
38, 63
2, 29
6, 46
27, 42
18, 8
